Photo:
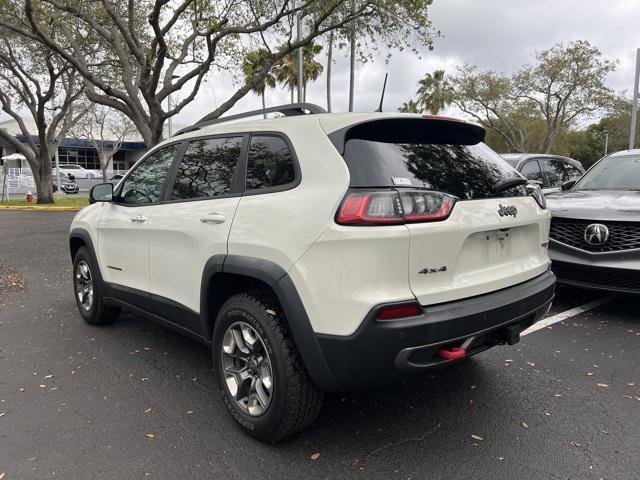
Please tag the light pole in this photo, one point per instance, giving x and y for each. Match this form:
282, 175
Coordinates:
634, 106
299, 34
57, 159
173, 77
606, 142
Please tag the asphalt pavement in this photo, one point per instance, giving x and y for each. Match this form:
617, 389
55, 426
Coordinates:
134, 400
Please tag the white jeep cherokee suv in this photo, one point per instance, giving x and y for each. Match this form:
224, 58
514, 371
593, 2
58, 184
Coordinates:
318, 252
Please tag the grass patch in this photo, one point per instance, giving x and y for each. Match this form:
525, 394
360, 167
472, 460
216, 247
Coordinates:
61, 201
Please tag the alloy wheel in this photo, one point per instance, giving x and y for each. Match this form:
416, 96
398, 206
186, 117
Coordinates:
84, 285
247, 368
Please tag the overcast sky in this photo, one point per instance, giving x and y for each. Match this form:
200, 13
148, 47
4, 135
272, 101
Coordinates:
496, 34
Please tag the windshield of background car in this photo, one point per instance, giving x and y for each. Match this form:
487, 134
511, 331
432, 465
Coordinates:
434, 159
612, 173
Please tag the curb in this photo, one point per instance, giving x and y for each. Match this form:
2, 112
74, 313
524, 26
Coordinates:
19, 208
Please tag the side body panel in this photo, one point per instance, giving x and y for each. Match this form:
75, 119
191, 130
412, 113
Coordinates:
123, 245
181, 243
280, 226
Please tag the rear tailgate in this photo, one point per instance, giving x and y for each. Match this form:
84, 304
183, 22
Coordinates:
476, 250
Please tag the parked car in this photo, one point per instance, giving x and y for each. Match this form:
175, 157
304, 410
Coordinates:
69, 187
549, 171
318, 252
595, 230
76, 170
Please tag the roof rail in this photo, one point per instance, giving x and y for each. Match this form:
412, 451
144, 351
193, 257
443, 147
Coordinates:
288, 110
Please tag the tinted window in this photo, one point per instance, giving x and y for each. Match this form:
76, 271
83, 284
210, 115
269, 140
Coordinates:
531, 171
573, 172
612, 173
145, 183
554, 170
466, 171
270, 163
207, 168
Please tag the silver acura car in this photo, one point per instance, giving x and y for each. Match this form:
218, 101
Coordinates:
595, 227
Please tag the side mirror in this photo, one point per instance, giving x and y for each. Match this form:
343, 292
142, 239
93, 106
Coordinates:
568, 185
102, 192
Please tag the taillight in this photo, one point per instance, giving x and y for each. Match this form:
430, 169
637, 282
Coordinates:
402, 310
394, 207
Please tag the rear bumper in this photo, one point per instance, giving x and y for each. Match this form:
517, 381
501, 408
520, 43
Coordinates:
383, 352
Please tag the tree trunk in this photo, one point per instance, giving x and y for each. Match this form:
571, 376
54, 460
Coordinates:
329, 64
157, 134
264, 105
291, 93
352, 68
104, 164
304, 92
44, 184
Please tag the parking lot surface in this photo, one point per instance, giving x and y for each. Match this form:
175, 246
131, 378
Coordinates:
134, 400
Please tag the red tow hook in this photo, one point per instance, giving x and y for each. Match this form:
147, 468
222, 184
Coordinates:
455, 353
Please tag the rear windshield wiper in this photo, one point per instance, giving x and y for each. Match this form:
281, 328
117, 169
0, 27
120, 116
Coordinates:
508, 183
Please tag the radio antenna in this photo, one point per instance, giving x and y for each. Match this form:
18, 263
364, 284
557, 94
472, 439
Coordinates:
384, 87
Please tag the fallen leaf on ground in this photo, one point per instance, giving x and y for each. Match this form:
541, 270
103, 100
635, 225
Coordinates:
49, 376
524, 425
21, 389
3, 414
147, 410
531, 364
315, 456
631, 384
590, 374
1, 476
576, 444
150, 435
602, 385
42, 386
189, 412
508, 360
477, 437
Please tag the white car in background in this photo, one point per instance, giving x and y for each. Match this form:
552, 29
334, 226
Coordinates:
76, 170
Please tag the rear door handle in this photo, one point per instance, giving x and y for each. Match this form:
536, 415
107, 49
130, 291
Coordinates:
213, 218
139, 219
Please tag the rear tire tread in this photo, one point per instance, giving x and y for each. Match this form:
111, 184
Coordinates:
303, 398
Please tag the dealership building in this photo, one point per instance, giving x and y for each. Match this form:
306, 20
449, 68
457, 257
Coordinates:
73, 150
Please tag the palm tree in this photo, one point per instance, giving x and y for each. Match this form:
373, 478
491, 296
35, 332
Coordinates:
287, 71
311, 68
254, 62
329, 65
409, 107
434, 92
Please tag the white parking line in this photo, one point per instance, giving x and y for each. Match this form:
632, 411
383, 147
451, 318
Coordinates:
558, 317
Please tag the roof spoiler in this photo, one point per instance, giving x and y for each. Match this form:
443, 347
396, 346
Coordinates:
428, 129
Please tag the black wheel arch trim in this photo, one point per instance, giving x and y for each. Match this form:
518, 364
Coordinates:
85, 237
277, 278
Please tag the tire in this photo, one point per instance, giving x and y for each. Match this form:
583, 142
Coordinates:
294, 401
93, 310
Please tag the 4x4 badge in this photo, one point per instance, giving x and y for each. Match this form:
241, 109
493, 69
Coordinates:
433, 270
509, 210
